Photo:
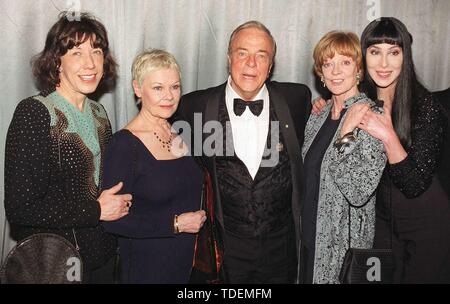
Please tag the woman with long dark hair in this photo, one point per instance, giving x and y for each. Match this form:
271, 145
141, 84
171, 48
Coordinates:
412, 131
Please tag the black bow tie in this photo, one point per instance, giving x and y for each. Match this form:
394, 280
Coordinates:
256, 106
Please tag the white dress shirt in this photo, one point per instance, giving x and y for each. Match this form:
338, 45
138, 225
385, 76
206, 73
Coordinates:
249, 131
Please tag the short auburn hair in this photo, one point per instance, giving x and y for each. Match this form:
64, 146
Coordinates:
64, 35
343, 43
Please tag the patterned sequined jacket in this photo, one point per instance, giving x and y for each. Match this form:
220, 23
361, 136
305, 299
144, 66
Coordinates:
49, 183
353, 174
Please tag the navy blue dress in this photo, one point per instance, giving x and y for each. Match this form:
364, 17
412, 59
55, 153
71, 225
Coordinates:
149, 250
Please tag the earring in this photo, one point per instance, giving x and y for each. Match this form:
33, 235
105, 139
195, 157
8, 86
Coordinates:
321, 79
358, 78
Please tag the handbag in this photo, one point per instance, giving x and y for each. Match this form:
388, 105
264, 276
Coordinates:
43, 258
208, 252
367, 266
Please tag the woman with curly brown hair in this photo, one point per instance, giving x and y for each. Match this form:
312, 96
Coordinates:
55, 146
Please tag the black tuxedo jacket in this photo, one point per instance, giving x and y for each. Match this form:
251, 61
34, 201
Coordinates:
292, 104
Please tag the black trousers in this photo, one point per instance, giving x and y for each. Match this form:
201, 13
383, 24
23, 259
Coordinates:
105, 274
421, 236
266, 259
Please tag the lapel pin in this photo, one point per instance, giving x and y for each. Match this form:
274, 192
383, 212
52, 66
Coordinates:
279, 147
287, 126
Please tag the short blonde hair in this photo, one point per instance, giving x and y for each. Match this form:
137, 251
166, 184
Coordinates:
151, 60
343, 43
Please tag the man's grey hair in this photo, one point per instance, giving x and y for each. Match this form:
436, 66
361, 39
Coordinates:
257, 25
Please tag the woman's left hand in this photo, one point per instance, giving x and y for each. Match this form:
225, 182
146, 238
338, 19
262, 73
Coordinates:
191, 222
378, 125
318, 105
354, 117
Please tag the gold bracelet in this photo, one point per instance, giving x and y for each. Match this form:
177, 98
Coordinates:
176, 228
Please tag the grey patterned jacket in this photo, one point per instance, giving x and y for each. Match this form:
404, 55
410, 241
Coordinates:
355, 173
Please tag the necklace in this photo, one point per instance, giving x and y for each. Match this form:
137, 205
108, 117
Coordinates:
166, 144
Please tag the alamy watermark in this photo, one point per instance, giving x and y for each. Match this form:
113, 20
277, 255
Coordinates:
373, 274
373, 10
73, 10
208, 140
73, 274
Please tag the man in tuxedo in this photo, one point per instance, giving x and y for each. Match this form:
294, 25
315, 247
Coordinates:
255, 163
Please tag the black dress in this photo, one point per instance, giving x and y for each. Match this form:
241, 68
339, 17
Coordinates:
419, 204
443, 99
150, 252
313, 164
